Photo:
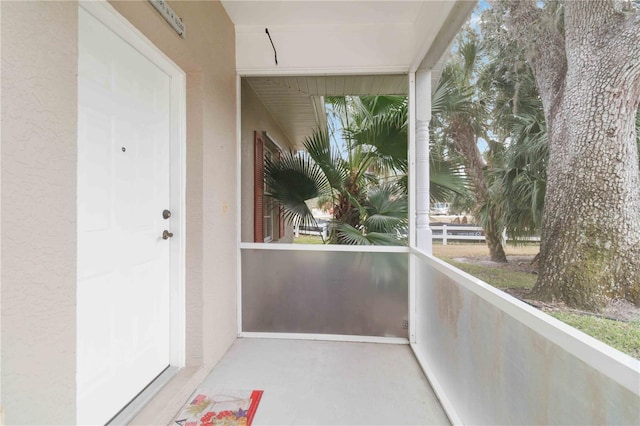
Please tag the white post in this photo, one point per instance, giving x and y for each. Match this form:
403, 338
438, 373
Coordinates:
423, 116
444, 235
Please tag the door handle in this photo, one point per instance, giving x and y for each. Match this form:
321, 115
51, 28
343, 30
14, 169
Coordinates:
166, 214
166, 234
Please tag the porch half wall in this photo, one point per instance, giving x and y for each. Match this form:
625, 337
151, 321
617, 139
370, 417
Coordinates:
492, 359
39, 180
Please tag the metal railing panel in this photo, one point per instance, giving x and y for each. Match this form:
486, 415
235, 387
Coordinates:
360, 293
495, 360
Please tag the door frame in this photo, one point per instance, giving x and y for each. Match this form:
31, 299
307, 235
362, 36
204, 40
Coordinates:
106, 14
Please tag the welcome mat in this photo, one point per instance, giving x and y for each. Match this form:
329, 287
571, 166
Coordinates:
219, 408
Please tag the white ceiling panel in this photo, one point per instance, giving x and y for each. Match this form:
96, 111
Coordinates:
341, 37
290, 100
337, 48
329, 12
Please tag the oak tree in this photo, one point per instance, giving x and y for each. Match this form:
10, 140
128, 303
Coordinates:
585, 56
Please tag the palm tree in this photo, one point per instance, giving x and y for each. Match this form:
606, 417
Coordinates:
460, 124
520, 184
367, 186
383, 129
364, 212
517, 120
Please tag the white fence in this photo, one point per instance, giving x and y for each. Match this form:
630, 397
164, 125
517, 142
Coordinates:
461, 233
440, 232
322, 231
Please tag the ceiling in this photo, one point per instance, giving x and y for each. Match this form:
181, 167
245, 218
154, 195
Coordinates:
297, 103
321, 12
335, 48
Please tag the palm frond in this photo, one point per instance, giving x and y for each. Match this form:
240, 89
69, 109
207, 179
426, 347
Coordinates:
387, 209
318, 146
446, 179
448, 98
383, 239
347, 234
382, 105
386, 136
292, 181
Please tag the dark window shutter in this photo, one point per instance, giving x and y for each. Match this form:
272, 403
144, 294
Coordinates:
258, 189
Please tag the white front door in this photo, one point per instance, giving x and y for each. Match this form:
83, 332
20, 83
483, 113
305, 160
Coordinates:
124, 181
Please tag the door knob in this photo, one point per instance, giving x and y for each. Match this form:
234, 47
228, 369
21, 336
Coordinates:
166, 214
166, 234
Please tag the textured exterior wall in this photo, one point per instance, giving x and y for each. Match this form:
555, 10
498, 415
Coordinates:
499, 361
194, 218
39, 116
39, 120
255, 117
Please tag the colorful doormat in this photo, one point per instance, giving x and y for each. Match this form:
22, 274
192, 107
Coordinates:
220, 408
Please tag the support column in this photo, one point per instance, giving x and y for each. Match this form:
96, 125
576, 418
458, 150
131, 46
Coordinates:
423, 116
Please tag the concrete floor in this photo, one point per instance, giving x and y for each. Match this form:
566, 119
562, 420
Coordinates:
329, 383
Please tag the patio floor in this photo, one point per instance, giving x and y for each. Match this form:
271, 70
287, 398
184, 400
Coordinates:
329, 383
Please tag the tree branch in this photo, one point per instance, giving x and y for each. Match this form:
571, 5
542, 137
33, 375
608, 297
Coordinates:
537, 30
631, 34
611, 25
631, 28
591, 14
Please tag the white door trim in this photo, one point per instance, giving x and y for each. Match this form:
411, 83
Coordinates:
105, 13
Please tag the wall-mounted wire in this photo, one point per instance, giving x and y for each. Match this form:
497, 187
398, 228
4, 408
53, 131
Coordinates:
275, 54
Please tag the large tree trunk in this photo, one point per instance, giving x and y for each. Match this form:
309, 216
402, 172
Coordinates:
589, 81
466, 144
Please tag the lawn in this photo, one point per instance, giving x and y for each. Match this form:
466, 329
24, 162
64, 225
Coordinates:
308, 239
624, 336
474, 260
497, 277
473, 250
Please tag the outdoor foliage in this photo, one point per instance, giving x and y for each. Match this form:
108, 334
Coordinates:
489, 100
365, 211
584, 58
362, 176
524, 66
518, 125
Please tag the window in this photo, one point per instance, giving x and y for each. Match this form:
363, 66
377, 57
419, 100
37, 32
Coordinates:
268, 205
268, 216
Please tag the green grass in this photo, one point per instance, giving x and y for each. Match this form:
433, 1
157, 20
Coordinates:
624, 336
497, 277
308, 239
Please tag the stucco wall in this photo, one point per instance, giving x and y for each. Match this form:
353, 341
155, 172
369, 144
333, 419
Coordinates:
39, 115
39, 119
255, 117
